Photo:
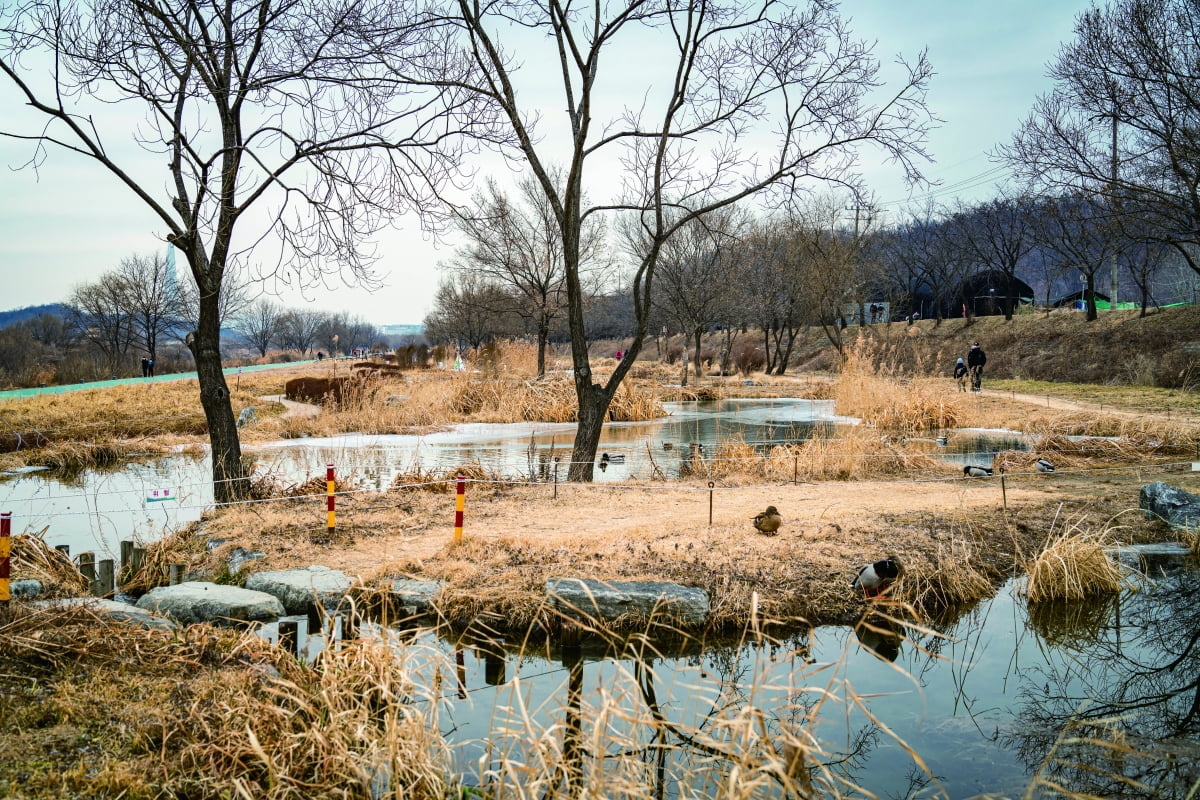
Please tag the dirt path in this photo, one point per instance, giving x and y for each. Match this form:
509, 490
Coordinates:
293, 408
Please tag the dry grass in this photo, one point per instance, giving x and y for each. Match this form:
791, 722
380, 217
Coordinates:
871, 388
1073, 565
208, 712
33, 559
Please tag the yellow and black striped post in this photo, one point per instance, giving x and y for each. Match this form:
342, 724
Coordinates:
5, 553
460, 504
330, 490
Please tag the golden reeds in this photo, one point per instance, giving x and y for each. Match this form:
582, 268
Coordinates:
875, 392
33, 559
1073, 565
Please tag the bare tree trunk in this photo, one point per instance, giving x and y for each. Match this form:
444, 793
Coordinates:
594, 400
543, 334
230, 482
699, 367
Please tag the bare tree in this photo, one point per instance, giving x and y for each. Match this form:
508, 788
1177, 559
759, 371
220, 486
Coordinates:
1123, 119
259, 323
149, 297
469, 311
694, 289
518, 246
998, 235
304, 124
299, 328
739, 98
922, 257
98, 313
1074, 234
824, 255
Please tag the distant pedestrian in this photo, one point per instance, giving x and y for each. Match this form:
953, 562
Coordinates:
960, 374
150, 367
976, 358
145, 367
618, 355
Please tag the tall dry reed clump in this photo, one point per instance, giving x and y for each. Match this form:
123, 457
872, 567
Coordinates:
1073, 565
204, 711
856, 454
502, 389
870, 386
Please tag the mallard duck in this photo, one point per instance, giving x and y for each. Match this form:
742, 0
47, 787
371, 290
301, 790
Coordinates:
878, 577
973, 471
768, 522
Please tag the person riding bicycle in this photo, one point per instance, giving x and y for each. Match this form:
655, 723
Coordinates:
976, 358
960, 374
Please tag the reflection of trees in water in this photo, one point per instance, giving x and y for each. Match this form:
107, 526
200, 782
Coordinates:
738, 727
1115, 709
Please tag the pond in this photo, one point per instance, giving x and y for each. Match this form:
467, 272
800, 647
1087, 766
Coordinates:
1100, 697
97, 509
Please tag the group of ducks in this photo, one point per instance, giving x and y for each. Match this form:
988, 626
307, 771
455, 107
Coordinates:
974, 471
876, 578
873, 580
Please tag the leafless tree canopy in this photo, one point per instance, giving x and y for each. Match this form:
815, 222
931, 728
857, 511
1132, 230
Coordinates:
303, 124
1123, 120
739, 98
517, 245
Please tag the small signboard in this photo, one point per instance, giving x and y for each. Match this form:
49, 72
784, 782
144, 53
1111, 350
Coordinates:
157, 495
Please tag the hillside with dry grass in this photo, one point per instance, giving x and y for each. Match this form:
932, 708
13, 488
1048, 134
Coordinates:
1159, 350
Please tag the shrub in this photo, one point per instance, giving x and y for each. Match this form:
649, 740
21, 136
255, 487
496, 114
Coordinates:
748, 357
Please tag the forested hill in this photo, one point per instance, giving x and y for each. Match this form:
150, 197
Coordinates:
29, 312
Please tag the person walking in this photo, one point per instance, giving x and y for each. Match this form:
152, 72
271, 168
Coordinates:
145, 367
960, 374
976, 358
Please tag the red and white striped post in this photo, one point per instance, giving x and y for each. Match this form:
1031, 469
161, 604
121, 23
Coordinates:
460, 504
330, 489
5, 553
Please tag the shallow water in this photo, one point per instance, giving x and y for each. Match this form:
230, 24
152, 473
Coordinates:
982, 697
98, 508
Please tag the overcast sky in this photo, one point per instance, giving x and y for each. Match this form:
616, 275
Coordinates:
70, 221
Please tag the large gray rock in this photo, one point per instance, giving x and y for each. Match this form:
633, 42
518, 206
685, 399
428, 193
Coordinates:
199, 601
583, 598
416, 594
1174, 506
26, 587
298, 589
120, 612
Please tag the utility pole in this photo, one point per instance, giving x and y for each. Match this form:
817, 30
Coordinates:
1112, 208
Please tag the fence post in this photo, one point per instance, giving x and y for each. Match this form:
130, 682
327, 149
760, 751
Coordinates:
460, 504
556, 477
330, 488
106, 578
87, 568
5, 560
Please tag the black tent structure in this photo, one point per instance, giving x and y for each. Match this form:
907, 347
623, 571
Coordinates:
985, 294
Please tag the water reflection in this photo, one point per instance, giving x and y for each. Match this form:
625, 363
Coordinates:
96, 509
1099, 697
